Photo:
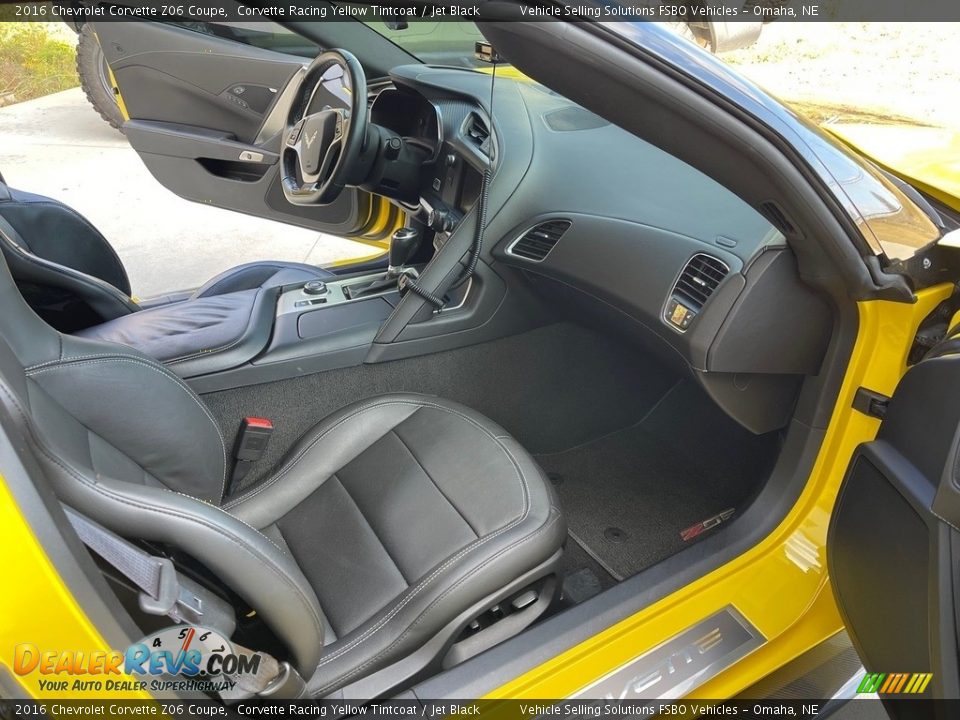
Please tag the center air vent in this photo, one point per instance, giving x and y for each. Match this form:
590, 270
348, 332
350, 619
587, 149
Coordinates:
698, 279
477, 133
537, 242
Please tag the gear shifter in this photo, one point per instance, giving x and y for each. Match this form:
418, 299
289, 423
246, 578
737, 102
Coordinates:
403, 246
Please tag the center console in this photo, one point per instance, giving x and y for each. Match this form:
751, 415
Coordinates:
310, 311
320, 325
316, 327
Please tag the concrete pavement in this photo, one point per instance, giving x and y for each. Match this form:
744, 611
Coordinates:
58, 146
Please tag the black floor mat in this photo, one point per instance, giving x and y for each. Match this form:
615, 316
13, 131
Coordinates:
628, 496
582, 576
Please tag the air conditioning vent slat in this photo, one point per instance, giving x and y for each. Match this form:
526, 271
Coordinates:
537, 242
698, 280
477, 133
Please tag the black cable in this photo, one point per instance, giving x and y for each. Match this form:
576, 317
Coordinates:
417, 289
481, 227
484, 198
476, 249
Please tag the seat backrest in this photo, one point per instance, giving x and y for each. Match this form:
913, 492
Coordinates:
50, 246
127, 443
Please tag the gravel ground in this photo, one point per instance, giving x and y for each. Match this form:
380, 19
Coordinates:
865, 72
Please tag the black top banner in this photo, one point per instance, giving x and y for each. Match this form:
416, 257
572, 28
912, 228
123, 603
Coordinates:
461, 10
453, 709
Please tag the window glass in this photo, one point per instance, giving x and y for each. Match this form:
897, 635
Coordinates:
266, 35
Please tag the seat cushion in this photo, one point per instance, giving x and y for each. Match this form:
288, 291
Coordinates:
198, 336
403, 511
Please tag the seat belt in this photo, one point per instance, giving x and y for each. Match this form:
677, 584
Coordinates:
163, 591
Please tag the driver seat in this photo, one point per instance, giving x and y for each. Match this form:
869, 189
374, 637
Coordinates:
71, 276
402, 533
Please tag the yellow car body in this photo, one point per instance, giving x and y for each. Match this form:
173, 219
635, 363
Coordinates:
781, 585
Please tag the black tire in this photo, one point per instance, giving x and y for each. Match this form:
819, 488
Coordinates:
697, 35
95, 78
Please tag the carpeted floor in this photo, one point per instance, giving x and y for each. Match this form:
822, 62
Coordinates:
551, 388
635, 454
627, 496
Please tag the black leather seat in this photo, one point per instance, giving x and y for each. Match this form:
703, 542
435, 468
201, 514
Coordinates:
72, 277
390, 526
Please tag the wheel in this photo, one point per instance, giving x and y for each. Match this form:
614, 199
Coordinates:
324, 148
693, 33
95, 78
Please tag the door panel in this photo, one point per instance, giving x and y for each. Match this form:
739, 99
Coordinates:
894, 558
200, 118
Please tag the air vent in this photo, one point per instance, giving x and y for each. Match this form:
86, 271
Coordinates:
477, 133
537, 242
698, 279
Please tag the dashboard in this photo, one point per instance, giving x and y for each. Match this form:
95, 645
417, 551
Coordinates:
410, 116
458, 150
593, 218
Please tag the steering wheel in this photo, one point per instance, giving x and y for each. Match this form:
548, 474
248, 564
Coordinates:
323, 146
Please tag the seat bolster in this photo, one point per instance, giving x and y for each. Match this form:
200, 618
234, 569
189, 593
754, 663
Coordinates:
251, 564
463, 581
60, 235
103, 298
158, 411
496, 476
261, 274
331, 445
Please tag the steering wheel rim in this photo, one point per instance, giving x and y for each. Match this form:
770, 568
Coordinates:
320, 149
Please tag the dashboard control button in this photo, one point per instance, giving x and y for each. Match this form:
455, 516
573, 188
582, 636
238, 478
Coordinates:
392, 150
315, 287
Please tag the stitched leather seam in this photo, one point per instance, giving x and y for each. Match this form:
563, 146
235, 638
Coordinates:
160, 371
222, 348
88, 281
83, 221
435, 483
449, 562
217, 507
98, 356
290, 464
236, 541
100, 489
526, 538
373, 530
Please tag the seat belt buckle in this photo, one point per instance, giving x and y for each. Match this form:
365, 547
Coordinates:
252, 440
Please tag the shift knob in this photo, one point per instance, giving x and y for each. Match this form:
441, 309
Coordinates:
403, 245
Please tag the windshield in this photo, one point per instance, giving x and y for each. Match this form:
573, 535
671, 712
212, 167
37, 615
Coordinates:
840, 103
434, 42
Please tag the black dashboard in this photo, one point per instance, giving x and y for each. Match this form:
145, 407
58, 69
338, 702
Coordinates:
410, 116
594, 217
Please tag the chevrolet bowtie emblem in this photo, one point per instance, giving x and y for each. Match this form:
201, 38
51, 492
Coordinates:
311, 138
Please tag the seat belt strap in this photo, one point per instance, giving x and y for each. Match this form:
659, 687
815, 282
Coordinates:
161, 589
164, 592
